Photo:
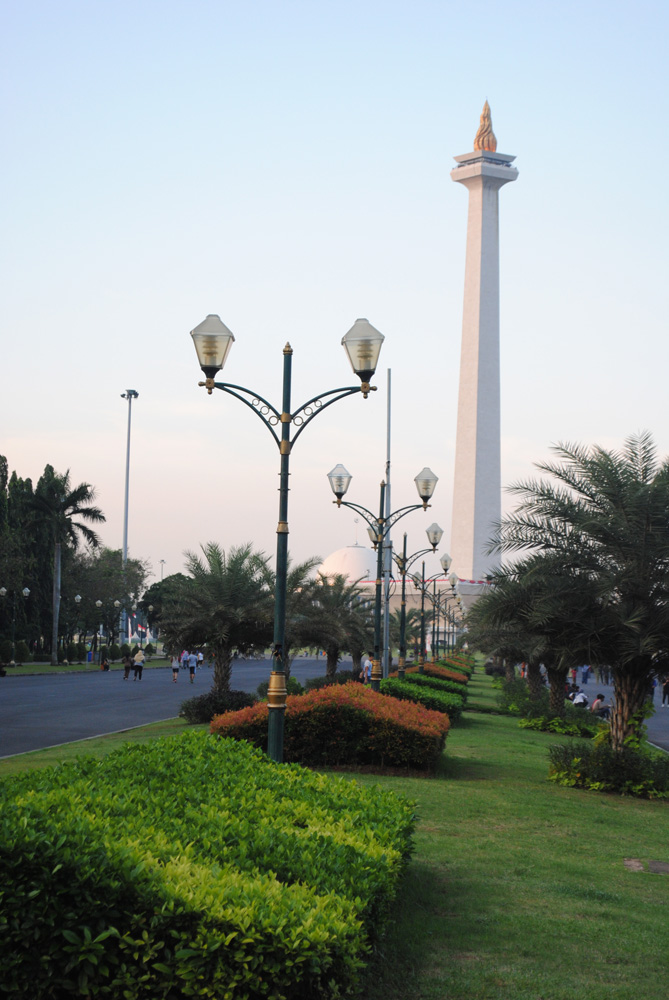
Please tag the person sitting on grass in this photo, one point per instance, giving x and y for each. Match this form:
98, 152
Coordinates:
599, 708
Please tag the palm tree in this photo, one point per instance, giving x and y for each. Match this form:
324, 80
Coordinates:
604, 515
341, 611
56, 503
224, 604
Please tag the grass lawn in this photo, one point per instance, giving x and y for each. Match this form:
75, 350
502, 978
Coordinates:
30, 669
517, 889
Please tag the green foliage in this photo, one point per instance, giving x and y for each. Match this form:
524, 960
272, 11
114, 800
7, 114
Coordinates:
347, 725
125, 649
340, 677
149, 649
204, 707
293, 686
71, 652
193, 867
437, 701
22, 653
427, 680
114, 652
104, 652
579, 724
598, 767
514, 698
6, 651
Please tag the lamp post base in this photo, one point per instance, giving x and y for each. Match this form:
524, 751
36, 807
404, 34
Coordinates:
276, 698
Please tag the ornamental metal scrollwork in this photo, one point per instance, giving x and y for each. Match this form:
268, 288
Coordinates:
307, 411
266, 411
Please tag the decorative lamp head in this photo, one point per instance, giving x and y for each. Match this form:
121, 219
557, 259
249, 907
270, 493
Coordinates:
363, 346
340, 480
425, 484
434, 533
445, 562
212, 341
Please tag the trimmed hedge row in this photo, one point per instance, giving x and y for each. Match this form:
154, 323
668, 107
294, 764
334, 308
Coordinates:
346, 725
203, 707
438, 701
439, 684
192, 867
436, 670
600, 768
457, 663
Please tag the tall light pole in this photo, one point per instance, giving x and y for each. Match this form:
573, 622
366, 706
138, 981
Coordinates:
162, 569
213, 341
129, 394
404, 562
340, 480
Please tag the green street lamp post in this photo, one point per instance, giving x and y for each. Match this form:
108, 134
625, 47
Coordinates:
340, 480
404, 563
26, 595
420, 583
213, 341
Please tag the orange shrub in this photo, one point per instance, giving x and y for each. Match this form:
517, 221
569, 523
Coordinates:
346, 724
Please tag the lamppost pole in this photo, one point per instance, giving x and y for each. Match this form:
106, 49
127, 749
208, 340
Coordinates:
404, 562
129, 394
423, 584
213, 341
379, 527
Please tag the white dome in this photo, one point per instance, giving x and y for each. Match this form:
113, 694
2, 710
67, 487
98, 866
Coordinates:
355, 562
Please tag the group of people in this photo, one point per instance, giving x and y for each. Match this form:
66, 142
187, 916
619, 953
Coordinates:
135, 662
188, 660
580, 700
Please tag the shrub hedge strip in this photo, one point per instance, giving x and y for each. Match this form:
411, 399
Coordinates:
192, 867
437, 701
459, 664
598, 767
346, 725
436, 670
439, 684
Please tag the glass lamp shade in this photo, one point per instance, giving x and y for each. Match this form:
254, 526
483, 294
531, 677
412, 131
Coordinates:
372, 536
425, 483
340, 480
3, 591
445, 562
454, 579
212, 341
363, 346
77, 598
434, 533
117, 604
98, 604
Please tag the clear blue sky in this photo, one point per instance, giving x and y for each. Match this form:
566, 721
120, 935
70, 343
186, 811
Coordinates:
286, 165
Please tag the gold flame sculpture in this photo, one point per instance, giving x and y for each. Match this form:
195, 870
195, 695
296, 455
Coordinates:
485, 137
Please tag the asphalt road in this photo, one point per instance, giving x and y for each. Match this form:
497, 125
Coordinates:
47, 710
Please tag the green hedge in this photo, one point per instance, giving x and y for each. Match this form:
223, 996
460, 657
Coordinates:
192, 867
436, 701
588, 725
346, 725
203, 707
600, 768
439, 684
461, 666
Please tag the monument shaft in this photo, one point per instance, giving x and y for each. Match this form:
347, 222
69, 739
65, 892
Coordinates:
477, 481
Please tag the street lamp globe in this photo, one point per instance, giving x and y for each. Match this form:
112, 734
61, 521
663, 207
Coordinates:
425, 483
363, 343
340, 480
434, 533
445, 562
3, 591
98, 604
212, 341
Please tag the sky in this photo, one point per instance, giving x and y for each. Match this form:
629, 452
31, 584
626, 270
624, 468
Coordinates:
286, 166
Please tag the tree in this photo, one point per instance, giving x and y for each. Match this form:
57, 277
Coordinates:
342, 614
56, 504
539, 612
224, 604
604, 516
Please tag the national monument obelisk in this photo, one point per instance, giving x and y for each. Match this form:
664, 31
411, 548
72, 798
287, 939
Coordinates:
477, 484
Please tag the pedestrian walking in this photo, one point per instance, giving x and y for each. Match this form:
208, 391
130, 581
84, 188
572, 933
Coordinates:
366, 671
192, 665
127, 664
200, 659
184, 659
665, 692
175, 668
139, 664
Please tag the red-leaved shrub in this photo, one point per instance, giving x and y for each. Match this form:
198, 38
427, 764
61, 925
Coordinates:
346, 725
